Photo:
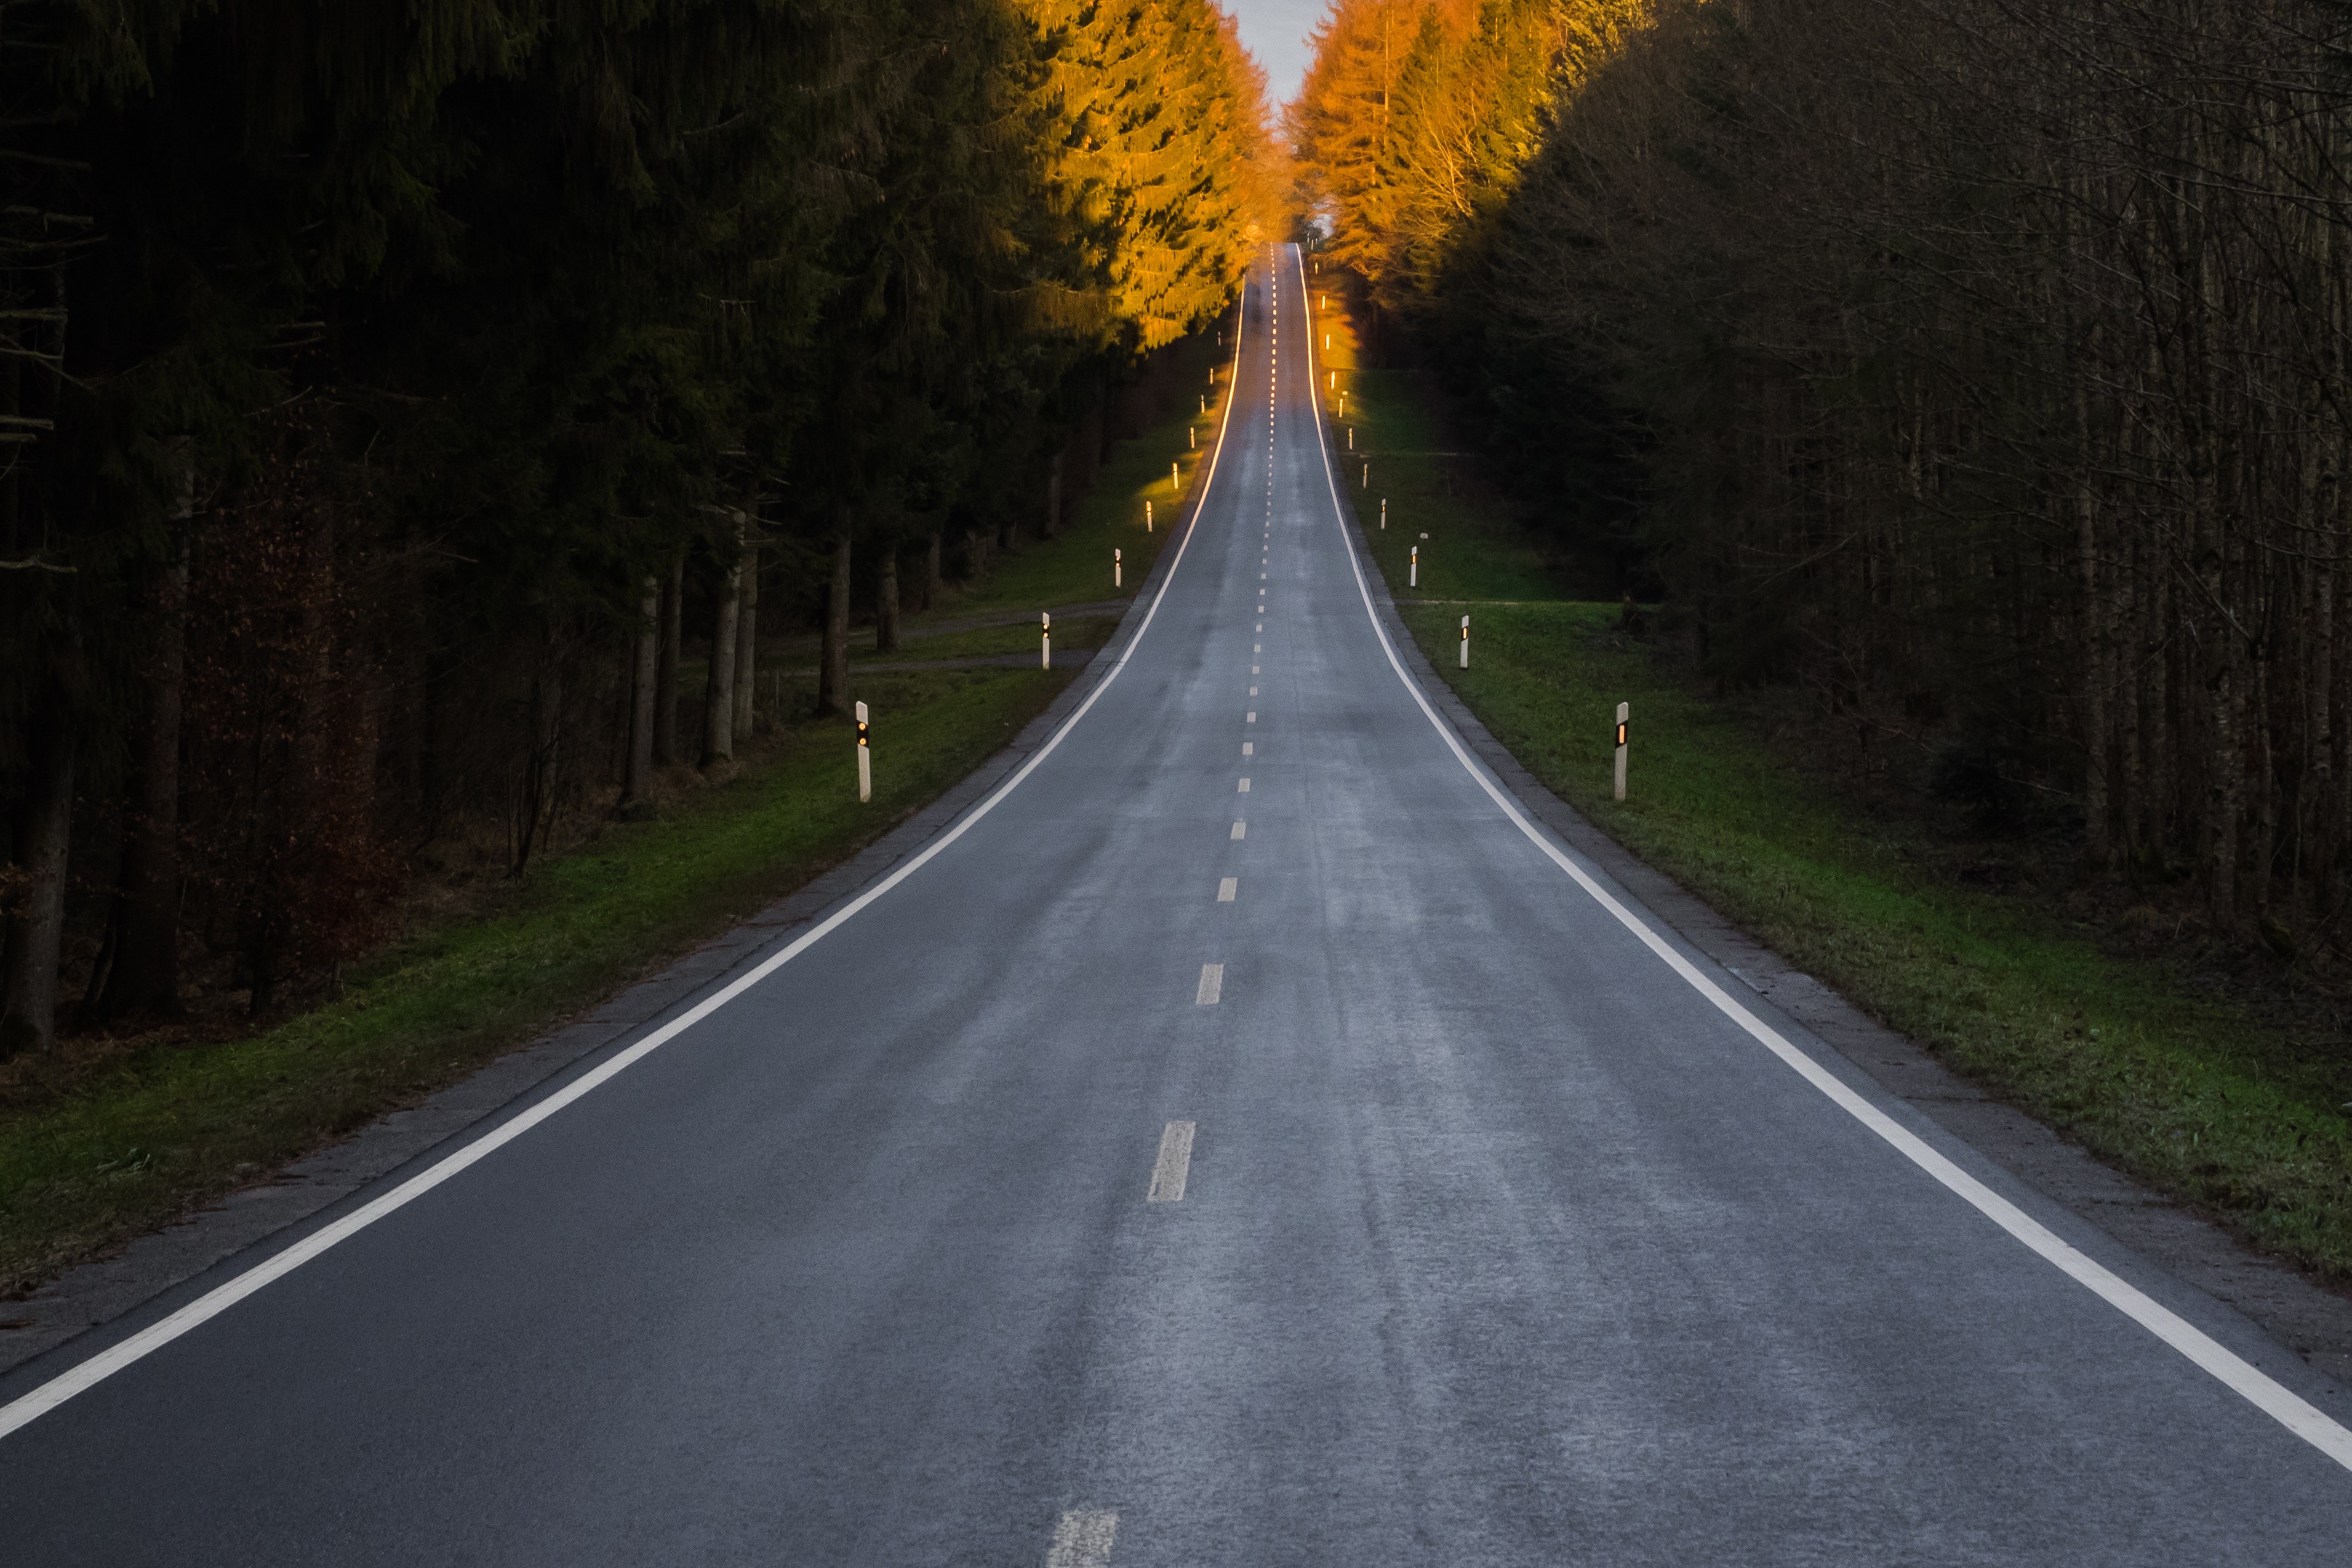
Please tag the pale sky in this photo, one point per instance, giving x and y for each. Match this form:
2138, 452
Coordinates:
1276, 32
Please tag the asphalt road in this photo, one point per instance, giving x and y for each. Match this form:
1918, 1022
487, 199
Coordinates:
1501, 1238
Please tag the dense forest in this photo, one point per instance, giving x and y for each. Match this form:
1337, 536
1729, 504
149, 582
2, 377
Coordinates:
391, 390
1977, 366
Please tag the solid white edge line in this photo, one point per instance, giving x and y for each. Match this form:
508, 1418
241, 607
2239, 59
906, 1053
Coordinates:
86, 1374
2249, 1382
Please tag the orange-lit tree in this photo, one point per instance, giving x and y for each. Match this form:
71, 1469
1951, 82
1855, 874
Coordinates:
1162, 156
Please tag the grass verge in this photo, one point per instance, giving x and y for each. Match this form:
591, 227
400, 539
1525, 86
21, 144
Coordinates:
93, 1156
1074, 566
2199, 1098
171, 1125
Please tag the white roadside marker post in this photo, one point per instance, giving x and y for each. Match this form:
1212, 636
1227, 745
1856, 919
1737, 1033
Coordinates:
864, 758
1335, 380
1191, 438
1174, 481
1045, 632
1352, 438
1204, 403
1624, 712
1115, 581
1367, 476
1413, 581
1466, 642
1147, 517
1384, 514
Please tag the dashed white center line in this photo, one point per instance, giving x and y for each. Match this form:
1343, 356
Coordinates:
1213, 985
1227, 887
1247, 748
1240, 828
1167, 1175
1082, 1539
1252, 714
1244, 788
1253, 669
1253, 691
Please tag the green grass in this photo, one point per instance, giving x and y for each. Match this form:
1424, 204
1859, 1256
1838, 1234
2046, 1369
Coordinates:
2197, 1097
1461, 559
1075, 567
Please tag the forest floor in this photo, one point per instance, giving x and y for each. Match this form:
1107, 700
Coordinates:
114, 1137
2208, 1070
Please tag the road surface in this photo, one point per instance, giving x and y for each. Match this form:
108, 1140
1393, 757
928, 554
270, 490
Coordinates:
1243, 1141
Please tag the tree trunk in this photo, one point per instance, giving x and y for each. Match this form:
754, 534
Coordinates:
637, 784
673, 649
931, 580
746, 635
32, 935
536, 798
12, 391
2326, 831
414, 655
2265, 801
305, 804
2097, 672
833, 665
142, 975
1087, 441
719, 695
36, 921
2125, 807
886, 606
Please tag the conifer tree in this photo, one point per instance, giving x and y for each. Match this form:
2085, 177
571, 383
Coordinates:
408, 341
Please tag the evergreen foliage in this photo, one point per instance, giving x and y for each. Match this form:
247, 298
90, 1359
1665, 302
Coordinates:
367, 367
1974, 366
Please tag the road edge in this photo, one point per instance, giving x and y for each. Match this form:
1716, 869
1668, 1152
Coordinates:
159, 1270
2304, 1317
